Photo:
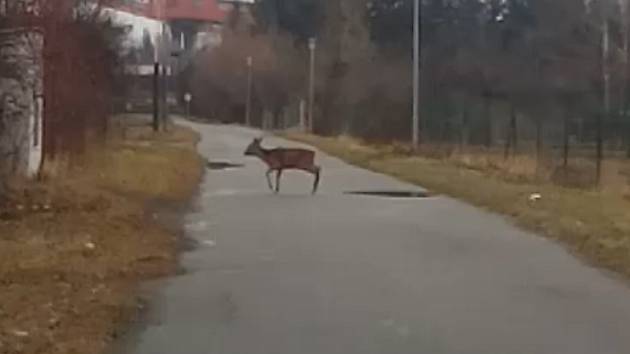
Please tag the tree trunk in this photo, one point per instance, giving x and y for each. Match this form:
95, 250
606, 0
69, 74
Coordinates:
445, 134
488, 120
600, 147
539, 143
565, 150
511, 139
463, 136
515, 133
277, 122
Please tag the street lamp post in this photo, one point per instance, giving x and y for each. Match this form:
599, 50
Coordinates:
157, 96
166, 71
248, 103
312, 44
416, 74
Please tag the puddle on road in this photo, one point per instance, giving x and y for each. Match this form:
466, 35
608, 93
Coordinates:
222, 165
392, 194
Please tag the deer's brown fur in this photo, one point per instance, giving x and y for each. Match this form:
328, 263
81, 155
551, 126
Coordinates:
280, 159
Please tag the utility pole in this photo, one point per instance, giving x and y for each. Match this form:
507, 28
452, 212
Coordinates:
156, 73
165, 48
312, 44
416, 75
248, 103
606, 96
166, 70
156, 89
625, 97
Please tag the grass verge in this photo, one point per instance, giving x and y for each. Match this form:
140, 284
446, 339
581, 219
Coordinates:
74, 247
594, 224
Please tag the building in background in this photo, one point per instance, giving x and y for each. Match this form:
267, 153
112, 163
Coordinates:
229, 5
171, 31
194, 24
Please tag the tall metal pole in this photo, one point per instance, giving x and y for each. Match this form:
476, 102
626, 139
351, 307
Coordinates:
312, 44
164, 96
166, 67
606, 94
416, 74
248, 104
156, 73
156, 95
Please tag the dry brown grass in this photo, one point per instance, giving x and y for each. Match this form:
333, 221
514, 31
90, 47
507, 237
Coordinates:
73, 248
594, 223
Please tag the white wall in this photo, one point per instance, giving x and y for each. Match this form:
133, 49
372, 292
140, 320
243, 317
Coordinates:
138, 25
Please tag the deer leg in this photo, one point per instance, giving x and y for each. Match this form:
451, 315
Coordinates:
278, 176
317, 172
269, 171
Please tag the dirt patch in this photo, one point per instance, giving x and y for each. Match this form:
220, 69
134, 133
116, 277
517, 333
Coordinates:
74, 248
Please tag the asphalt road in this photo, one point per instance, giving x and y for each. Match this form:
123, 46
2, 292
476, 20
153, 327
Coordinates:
344, 274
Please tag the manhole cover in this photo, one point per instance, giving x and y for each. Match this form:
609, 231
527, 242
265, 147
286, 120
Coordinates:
221, 165
392, 194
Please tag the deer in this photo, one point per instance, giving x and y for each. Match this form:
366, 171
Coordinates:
280, 159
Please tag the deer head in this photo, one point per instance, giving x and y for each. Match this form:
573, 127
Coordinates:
254, 149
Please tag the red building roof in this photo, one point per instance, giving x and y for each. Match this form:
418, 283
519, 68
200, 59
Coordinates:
195, 10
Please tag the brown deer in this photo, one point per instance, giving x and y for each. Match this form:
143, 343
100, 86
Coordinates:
281, 159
